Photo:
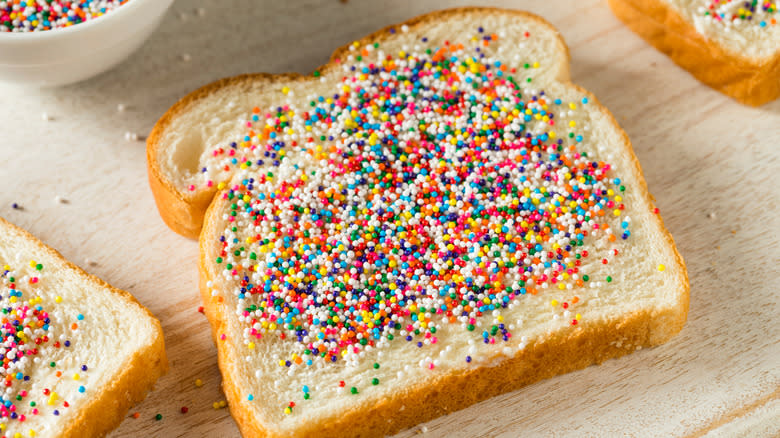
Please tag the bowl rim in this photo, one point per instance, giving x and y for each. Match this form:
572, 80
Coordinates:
99, 21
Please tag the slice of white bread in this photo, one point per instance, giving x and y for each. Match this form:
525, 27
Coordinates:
78, 352
612, 294
723, 43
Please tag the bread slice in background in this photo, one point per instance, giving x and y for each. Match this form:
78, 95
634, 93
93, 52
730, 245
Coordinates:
638, 298
741, 60
103, 354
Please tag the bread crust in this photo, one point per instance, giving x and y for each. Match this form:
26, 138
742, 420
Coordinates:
137, 376
183, 212
749, 81
559, 353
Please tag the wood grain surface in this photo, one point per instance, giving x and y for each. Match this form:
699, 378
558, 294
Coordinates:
711, 163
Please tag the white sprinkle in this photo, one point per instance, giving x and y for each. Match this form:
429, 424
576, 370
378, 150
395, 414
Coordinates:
45, 117
131, 136
185, 57
120, 107
60, 200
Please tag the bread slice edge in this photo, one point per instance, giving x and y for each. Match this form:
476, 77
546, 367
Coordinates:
749, 81
137, 375
184, 211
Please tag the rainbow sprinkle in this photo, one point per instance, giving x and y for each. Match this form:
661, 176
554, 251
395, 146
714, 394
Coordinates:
29, 336
433, 187
35, 16
761, 13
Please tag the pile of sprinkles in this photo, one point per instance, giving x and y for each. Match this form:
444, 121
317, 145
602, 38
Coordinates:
28, 337
40, 15
433, 187
735, 12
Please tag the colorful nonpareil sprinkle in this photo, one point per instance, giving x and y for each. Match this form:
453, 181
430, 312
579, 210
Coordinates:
761, 13
29, 339
35, 16
433, 187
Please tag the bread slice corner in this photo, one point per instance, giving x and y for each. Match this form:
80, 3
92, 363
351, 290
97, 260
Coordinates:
101, 351
729, 64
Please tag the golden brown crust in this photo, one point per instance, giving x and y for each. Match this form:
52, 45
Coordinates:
137, 377
749, 81
183, 212
559, 353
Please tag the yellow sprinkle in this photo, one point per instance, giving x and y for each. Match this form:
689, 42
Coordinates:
251, 345
53, 398
554, 303
616, 212
198, 383
287, 410
76, 376
578, 316
285, 90
222, 404
661, 268
215, 405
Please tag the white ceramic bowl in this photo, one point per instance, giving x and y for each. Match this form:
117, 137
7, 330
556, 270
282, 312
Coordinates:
72, 54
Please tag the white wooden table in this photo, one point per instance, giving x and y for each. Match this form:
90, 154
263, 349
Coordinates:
712, 165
